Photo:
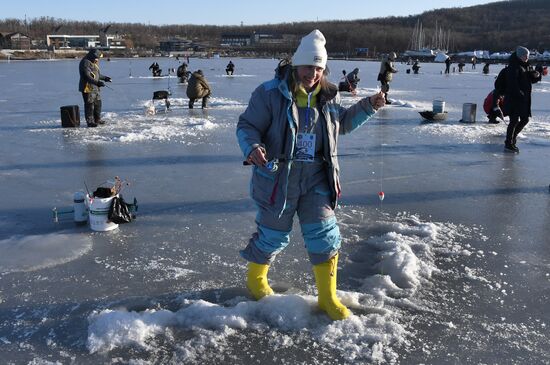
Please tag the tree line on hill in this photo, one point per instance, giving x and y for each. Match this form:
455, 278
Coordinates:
497, 26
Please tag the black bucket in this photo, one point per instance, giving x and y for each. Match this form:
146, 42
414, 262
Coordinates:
160, 94
70, 116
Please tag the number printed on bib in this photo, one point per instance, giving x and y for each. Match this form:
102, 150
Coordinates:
305, 147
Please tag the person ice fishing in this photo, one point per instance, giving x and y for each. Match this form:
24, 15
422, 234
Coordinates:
493, 105
198, 88
90, 82
461, 66
385, 75
289, 132
155, 69
448, 65
350, 81
230, 68
486, 68
541, 69
519, 79
182, 73
415, 67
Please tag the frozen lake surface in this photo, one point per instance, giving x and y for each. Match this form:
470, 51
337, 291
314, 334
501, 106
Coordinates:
452, 267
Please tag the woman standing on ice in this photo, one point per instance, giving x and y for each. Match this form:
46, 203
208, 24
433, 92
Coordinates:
519, 77
289, 131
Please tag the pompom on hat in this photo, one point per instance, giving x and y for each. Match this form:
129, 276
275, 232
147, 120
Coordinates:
311, 51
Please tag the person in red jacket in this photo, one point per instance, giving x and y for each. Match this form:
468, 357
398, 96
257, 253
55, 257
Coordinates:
493, 105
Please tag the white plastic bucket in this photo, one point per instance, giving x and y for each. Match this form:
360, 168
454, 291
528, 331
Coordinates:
469, 112
438, 106
99, 214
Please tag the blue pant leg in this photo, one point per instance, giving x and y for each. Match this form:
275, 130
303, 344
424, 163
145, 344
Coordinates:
265, 244
322, 240
272, 236
319, 226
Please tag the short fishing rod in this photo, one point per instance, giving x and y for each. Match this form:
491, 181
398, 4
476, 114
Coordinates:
273, 164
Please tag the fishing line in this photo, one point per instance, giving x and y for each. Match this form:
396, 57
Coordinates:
381, 194
169, 90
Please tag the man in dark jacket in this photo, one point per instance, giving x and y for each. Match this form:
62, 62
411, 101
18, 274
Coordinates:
350, 81
182, 73
230, 68
448, 65
416, 67
519, 79
198, 88
90, 82
155, 69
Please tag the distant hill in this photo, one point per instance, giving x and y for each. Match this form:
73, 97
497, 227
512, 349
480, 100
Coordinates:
497, 26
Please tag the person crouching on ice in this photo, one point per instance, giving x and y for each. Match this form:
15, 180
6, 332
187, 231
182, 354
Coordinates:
289, 132
230, 68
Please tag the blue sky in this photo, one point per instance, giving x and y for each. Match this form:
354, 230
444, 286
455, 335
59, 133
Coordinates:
217, 12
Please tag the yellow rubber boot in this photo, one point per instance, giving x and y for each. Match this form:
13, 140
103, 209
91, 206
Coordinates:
256, 280
325, 278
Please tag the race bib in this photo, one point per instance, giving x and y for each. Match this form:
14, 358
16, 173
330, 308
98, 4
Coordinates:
305, 147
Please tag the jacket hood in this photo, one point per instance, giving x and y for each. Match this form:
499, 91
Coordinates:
93, 54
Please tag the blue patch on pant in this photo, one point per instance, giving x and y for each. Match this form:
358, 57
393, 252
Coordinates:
322, 237
270, 240
251, 253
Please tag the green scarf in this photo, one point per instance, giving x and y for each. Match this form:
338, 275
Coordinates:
302, 95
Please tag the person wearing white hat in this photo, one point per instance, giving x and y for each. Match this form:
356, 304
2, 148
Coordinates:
289, 132
519, 79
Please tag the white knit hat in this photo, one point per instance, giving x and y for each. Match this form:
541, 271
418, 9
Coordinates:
522, 52
311, 51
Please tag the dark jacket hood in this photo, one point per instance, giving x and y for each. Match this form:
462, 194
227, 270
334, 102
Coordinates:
93, 54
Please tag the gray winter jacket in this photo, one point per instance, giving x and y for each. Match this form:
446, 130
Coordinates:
270, 121
386, 70
89, 73
197, 86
